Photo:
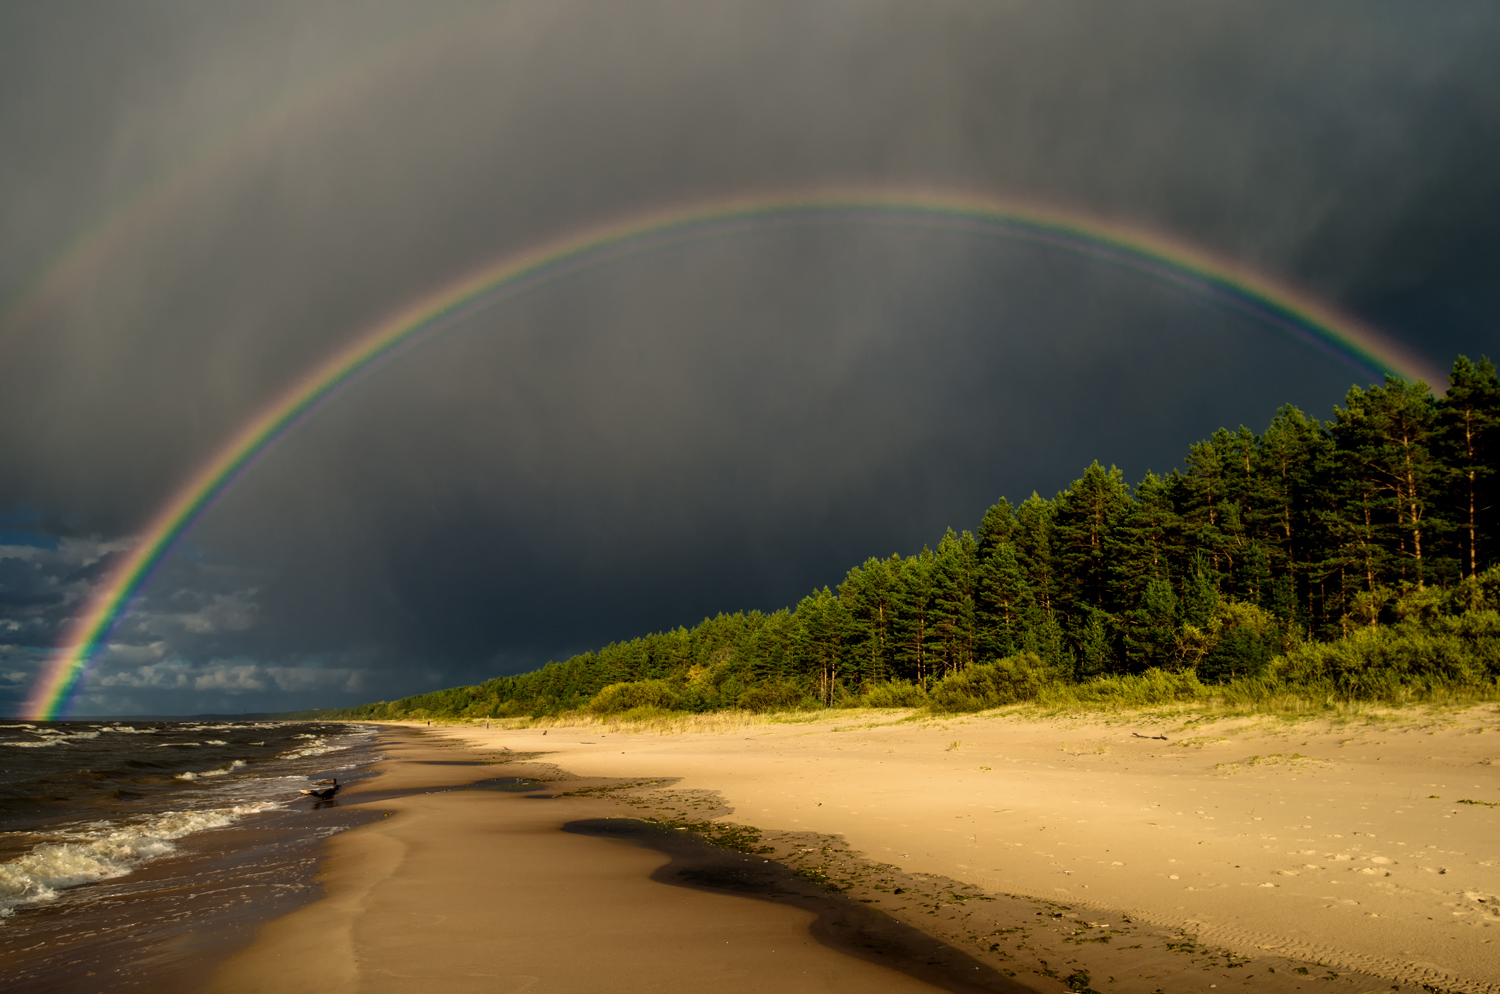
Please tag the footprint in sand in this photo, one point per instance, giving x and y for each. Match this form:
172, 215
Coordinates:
1488, 903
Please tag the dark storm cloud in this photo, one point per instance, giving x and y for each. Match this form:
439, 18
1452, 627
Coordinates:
706, 427
43, 579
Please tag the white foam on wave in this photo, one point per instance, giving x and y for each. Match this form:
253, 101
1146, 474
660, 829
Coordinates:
53, 738
106, 851
324, 744
237, 764
128, 730
318, 748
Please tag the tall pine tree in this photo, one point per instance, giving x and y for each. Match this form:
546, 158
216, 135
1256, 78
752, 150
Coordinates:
1469, 426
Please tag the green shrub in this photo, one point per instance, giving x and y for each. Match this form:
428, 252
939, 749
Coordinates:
509, 709
1245, 639
1394, 662
989, 685
843, 697
543, 704
1155, 686
698, 696
774, 697
895, 694
1470, 595
618, 698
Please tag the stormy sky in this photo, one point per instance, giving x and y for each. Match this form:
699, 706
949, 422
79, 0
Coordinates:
200, 202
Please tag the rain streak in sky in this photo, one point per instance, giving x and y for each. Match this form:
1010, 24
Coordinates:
202, 202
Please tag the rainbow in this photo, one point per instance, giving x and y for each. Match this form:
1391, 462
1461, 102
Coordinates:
1158, 255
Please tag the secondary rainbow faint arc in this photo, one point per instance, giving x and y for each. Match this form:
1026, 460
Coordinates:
227, 145
1169, 257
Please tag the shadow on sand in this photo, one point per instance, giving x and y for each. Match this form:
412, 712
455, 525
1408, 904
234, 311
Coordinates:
849, 926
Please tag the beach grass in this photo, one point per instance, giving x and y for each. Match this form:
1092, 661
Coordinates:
1179, 717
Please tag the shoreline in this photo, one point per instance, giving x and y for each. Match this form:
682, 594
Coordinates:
161, 928
180, 878
472, 881
1228, 836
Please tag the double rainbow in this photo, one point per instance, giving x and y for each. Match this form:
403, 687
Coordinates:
1162, 257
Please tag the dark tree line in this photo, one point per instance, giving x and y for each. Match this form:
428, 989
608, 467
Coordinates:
1303, 532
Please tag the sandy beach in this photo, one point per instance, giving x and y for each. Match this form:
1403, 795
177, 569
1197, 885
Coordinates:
1118, 853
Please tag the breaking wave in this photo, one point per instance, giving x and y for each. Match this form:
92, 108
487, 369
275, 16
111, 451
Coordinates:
237, 764
316, 748
110, 851
53, 738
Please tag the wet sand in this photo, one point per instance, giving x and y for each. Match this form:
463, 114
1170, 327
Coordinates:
1059, 854
482, 890
160, 929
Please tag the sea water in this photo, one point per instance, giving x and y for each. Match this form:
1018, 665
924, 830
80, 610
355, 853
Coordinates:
121, 841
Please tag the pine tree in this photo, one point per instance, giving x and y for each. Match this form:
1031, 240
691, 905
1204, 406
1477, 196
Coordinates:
1200, 592
1003, 600
1145, 545
869, 596
1360, 555
1148, 537
1204, 489
1469, 420
1293, 456
1096, 651
953, 599
817, 641
914, 592
1087, 517
1252, 578
1152, 635
966, 608
1033, 543
770, 646
1043, 635
1237, 454
946, 616
1385, 436
998, 525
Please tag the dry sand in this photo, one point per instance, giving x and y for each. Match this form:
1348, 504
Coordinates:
1068, 851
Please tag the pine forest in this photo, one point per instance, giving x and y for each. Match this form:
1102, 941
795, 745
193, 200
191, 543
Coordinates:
1356, 558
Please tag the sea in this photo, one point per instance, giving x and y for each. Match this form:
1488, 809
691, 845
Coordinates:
135, 855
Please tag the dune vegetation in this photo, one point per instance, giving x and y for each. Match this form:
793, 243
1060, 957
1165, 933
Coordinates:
1356, 559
